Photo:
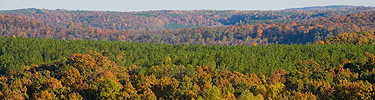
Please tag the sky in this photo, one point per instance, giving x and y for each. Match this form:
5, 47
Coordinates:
145, 5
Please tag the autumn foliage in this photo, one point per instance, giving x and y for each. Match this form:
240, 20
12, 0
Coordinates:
331, 55
188, 27
85, 76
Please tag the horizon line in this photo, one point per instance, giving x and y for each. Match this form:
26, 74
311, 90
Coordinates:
185, 9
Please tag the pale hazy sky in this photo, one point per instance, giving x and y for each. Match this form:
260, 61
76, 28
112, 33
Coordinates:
143, 5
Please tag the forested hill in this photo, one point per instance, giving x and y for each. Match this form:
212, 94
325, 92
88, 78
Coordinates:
188, 55
188, 27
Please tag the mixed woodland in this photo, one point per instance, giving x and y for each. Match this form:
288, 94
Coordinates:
300, 53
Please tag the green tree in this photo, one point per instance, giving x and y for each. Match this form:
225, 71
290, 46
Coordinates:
213, 93
247, 95
109, 89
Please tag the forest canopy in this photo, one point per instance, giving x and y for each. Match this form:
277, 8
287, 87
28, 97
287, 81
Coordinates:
81, 69
303, 53
229, 27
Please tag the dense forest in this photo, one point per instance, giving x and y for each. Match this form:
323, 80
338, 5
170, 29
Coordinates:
58, 69
301, 53
189, 27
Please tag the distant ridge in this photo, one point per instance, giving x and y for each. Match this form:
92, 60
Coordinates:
208, 27
309, 8
330, 7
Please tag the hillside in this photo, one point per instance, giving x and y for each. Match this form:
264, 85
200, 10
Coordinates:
188, 27
312, 53
352, 38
